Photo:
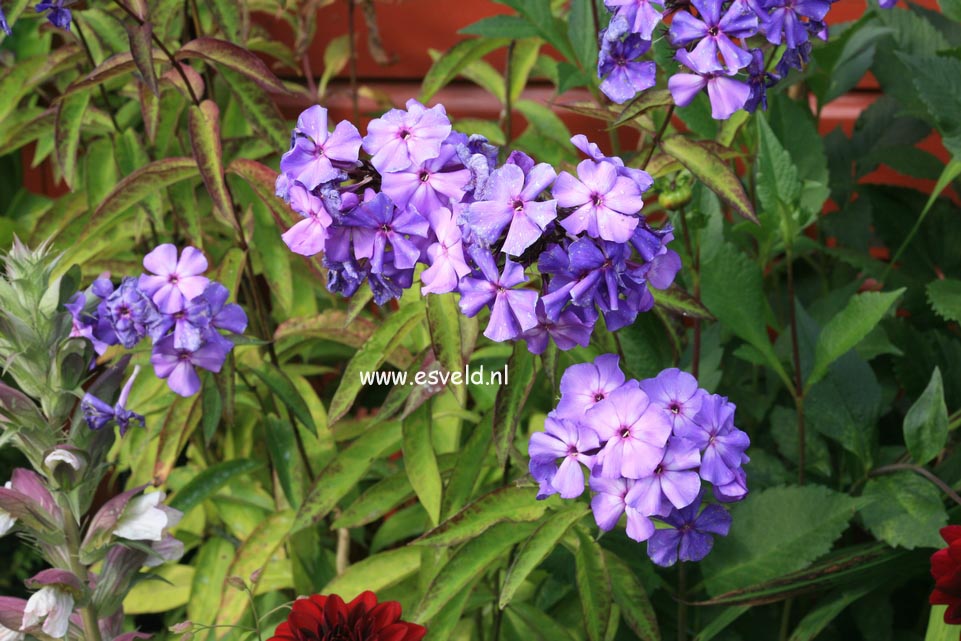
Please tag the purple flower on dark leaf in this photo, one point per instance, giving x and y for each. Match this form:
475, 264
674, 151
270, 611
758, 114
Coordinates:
677, 395
584, 385
399, 139
510, 201
640, 15
59, 16
177, 365
674, 483
727, 94
308, 236
446, 256
512, 310
691, 535
623, 75
567, 331
378, 223
315, 151
432, 184
722, 445
172, 281
714, 31
633, 433
223, 315
568, 442
605, 204
610, 502
98, 413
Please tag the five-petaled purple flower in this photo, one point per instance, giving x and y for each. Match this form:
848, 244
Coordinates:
399, 139
634, 437
511, 202
512, 310
308, 236
316, 155
690, 537
605, 203
610, 502
713, 32
173, 281
565, 441
727, 94
623, 75
641, 17
176, 365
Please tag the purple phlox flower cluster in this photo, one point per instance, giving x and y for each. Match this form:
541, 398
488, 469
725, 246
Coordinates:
427, 195
711, 41
182, 312
650, 448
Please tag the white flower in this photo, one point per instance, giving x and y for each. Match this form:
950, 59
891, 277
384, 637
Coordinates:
6, 634
53, 607
61, 455
6, 524
142, 520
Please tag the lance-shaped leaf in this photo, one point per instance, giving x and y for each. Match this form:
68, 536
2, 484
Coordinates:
718, 176
511, 503
204, 125
375, 573
593, 586
281, 385
262, 179
141, 48
455, 61
113, 67
444, 326
145, 181
334, 325
261, 111
644, 102
70, 113
27, 74
537, 548
630, 596
206, 484
676, 300
469, 562
510, 400
221, 52
342, 474
420, 461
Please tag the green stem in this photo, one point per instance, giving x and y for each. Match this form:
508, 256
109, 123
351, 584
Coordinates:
796, 358
71, 531
658, 136
681, 602
93, 65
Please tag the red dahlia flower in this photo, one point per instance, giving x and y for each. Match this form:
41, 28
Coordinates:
946, 570
328, 618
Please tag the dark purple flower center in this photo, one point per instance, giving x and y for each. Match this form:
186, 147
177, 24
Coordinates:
674, 407
620, 61
124, 311
598, 397
425, 176
713, 31
183, 356
518, 205
173, 279
404, 134
597, 199
625, 432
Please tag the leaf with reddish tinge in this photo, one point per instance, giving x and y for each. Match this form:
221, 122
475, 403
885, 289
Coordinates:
676, 300
204, 125
229, 55
703, 161
141, 183
141, 48
513, 503
69, 119
113, 67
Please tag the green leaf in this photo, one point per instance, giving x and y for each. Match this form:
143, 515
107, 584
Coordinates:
260, 549
468, 563
344, 471
212, 564
513, 503
113, 67
644, 102
717, 175
231, 56
152, 597
100, 171
538, 13
204, 125
522, 62
442, 321
278, 383
720, 623
376, 572
509, 404
826, 610
938, 630
631, 597
944, 295
261, 111
732, 289
778, 185
593, 586
583, 36
467, 470
862, 313
545, 121
421, 462
70, 112
774, 532
676, 300
926, 423
134, 188
950, 8
336, 57
513, 27
539, 623
938, 81
382, 497
905, 510
372, 355
537, 548
206, 483
229, 15
450, 65
337, 326
285, 460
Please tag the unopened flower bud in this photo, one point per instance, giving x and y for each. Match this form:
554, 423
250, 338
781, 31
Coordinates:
236, 582
182, 627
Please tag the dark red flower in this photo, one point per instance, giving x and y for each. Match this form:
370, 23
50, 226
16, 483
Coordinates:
946, 570
328, 618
